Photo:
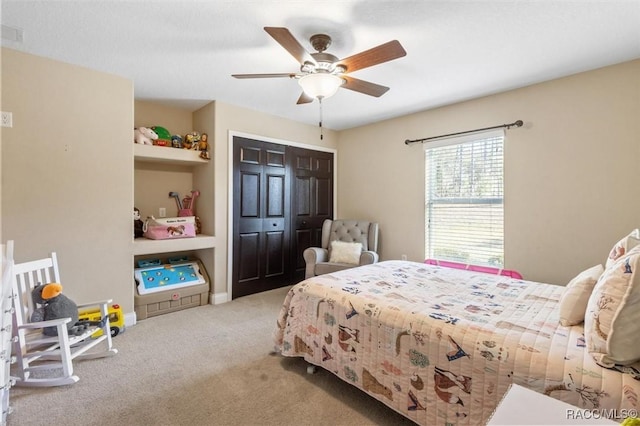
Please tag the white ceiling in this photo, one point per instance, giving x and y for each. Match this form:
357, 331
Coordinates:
184, 52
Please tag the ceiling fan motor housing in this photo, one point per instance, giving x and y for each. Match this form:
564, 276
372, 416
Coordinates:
325, 62
320, 42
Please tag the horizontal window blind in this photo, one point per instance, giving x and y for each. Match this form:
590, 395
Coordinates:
464, 201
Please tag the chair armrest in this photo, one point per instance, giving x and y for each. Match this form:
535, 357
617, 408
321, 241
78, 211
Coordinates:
43, 324
98, 303
312, 256
368, 257
315, 255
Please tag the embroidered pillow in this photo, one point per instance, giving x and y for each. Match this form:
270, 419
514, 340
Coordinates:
612, 320
342, 252
575, 298
623, 246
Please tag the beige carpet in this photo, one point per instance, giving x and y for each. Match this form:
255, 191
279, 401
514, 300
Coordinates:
210, 365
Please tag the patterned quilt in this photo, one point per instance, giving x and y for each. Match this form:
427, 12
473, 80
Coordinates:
441, 346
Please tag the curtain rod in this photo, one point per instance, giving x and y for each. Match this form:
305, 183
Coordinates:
518, 123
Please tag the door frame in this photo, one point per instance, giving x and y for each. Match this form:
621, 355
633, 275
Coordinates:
230, 230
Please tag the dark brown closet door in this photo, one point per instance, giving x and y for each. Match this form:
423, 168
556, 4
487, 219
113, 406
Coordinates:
311, 203
261, 222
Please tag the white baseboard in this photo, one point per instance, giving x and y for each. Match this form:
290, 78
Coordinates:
130, 319
219, 298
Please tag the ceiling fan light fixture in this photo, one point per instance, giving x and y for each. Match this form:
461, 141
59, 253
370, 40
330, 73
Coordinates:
320, 85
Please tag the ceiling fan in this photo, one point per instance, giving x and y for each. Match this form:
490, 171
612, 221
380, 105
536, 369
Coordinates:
322, 74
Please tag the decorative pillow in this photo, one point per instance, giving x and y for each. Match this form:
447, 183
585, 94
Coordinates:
342, 252
612, 320
623, 246
575, 298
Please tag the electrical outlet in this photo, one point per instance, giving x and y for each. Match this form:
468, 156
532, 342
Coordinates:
12, 33
7, 119
404, 257
162, 212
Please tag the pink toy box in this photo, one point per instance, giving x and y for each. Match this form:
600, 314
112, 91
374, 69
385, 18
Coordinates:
170, 227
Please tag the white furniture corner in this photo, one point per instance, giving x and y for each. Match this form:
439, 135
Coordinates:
6, 269
522, 406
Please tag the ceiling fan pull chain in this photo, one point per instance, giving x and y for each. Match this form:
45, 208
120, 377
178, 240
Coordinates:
320, 123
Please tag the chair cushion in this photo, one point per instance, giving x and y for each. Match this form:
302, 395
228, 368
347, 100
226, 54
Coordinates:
328, 267
342, 252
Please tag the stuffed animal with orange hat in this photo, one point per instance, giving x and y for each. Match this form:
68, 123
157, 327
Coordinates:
52, 304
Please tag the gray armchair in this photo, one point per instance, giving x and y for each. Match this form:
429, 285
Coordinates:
350, 231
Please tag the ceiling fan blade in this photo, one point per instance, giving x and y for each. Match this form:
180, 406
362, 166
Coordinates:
304, 99
374, 56
365, 87
289, 42
284, 74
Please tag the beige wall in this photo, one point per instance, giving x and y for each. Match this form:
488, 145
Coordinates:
67, 173
178, 121
571, 171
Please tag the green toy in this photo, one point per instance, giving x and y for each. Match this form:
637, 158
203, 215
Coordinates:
631, 421
164, 136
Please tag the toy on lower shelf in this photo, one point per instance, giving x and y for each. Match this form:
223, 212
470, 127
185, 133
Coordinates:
187, 207
170, 287
167, 277
138, 224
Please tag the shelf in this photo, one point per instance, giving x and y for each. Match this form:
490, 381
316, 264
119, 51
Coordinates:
163, 154
147, 246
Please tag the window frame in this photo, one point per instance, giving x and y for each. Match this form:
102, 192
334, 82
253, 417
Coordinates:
495, 199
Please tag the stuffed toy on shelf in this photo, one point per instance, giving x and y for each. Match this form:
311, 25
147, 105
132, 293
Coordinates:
203, 146
164, 136
144, 135
191, 141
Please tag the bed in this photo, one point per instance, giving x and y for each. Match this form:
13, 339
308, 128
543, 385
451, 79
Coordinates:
441, 346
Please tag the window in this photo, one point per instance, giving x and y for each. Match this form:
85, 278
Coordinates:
464, 200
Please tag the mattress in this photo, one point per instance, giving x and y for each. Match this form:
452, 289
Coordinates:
442, 346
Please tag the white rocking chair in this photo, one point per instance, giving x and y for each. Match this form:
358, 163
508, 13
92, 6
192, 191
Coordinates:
36, 352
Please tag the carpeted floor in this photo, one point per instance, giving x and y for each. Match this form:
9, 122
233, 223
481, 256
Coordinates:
210, 365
